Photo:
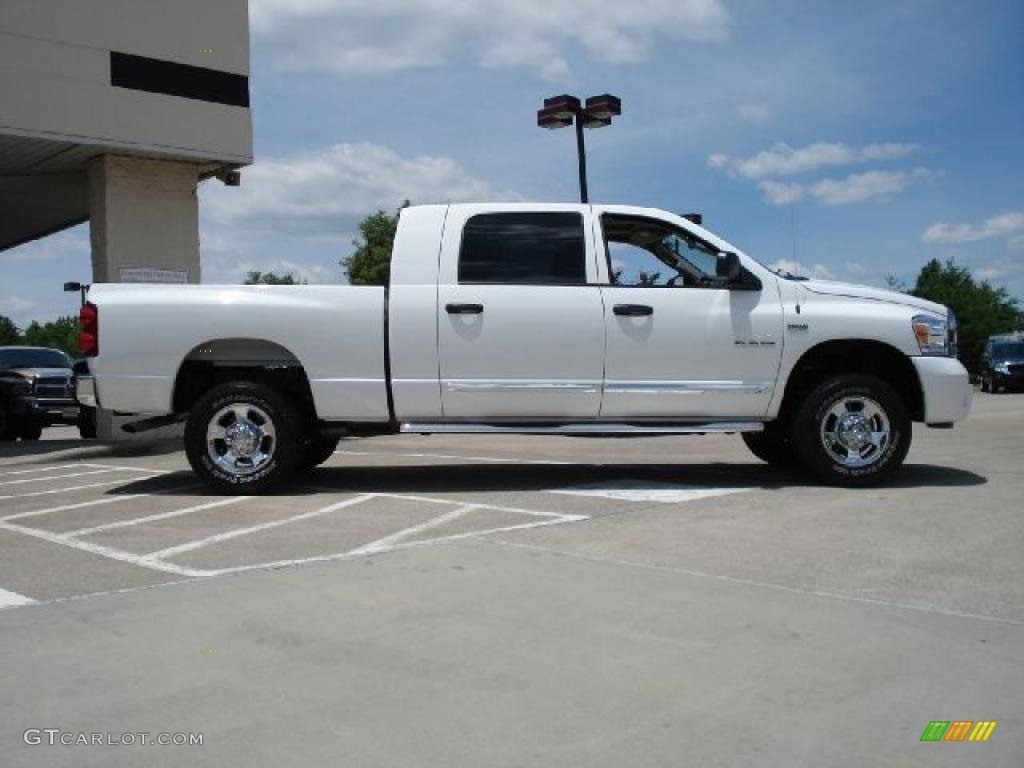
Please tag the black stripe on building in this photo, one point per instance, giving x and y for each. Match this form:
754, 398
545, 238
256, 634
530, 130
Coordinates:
141, 73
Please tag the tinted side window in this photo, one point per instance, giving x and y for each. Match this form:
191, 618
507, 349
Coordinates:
523, 249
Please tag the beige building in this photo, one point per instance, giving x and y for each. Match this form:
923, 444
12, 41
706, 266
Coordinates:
112, 112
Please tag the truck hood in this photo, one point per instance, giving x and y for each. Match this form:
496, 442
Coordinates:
830, 288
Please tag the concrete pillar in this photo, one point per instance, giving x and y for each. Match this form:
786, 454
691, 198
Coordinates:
143, 214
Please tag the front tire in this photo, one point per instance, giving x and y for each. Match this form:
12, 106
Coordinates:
244, 437
852, 431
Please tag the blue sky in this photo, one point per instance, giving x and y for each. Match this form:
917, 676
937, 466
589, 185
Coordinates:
844, 140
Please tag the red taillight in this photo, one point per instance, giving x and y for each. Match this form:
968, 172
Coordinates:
89, 338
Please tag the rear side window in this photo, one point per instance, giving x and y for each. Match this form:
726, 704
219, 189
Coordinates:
523, 249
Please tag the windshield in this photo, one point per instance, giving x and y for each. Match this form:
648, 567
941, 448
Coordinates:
1008, 349
33, 358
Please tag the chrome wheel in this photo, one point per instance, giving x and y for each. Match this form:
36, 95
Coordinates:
241, 439
855, 431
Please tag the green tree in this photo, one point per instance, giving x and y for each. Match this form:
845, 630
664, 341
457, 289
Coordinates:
61, 333
981, 309
271, 278
9, 334
371, 262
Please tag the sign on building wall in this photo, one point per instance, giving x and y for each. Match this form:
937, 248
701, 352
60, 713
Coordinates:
153, 275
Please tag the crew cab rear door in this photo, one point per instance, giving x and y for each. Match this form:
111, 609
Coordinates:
520, 316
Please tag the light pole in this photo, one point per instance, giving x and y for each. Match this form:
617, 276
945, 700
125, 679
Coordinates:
565, 110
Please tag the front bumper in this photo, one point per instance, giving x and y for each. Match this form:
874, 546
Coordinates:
47, 410
946, 387
1013, 380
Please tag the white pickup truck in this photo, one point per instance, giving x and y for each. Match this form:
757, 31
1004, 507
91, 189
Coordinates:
531, 318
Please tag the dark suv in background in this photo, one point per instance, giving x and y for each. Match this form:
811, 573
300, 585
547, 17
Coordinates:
36, 390
1002, 364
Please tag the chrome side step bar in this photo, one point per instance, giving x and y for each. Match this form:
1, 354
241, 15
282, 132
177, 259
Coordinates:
580, 428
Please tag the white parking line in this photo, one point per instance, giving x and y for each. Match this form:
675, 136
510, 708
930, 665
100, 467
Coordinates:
65, 490
13, 599
53, 468
95, 502
388, 542
97, 549
51, 478
494, 459
433, 500
550, 519
630, 490
226, 535
152, 518
158, 560
133, 469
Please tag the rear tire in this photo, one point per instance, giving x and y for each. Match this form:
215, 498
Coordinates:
773, 445
244, 437
30, 431
87, 423
852, 431
5, 424
319, 450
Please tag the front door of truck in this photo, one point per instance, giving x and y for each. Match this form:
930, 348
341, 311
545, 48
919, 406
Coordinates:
682, 344
520, 318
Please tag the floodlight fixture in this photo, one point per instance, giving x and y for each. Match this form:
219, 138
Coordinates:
565, 110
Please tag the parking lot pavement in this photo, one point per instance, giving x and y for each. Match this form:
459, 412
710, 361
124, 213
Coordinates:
532, 601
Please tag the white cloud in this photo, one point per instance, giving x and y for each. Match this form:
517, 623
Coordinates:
1002, 225
70, 244
873, 185
855, 188
15, 305
819, 271
312, 202
784, 160
718, 160
753, 113
353, 38
781, 192
1000, 270
321, 195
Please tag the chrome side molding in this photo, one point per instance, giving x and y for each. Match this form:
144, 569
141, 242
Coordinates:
616, 387
468, 385
687, 387
579, 428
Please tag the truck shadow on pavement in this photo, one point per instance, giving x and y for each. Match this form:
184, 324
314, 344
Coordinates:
518, 477
468, 477
87, 449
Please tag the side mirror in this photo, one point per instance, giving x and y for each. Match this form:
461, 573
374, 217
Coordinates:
728, 267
